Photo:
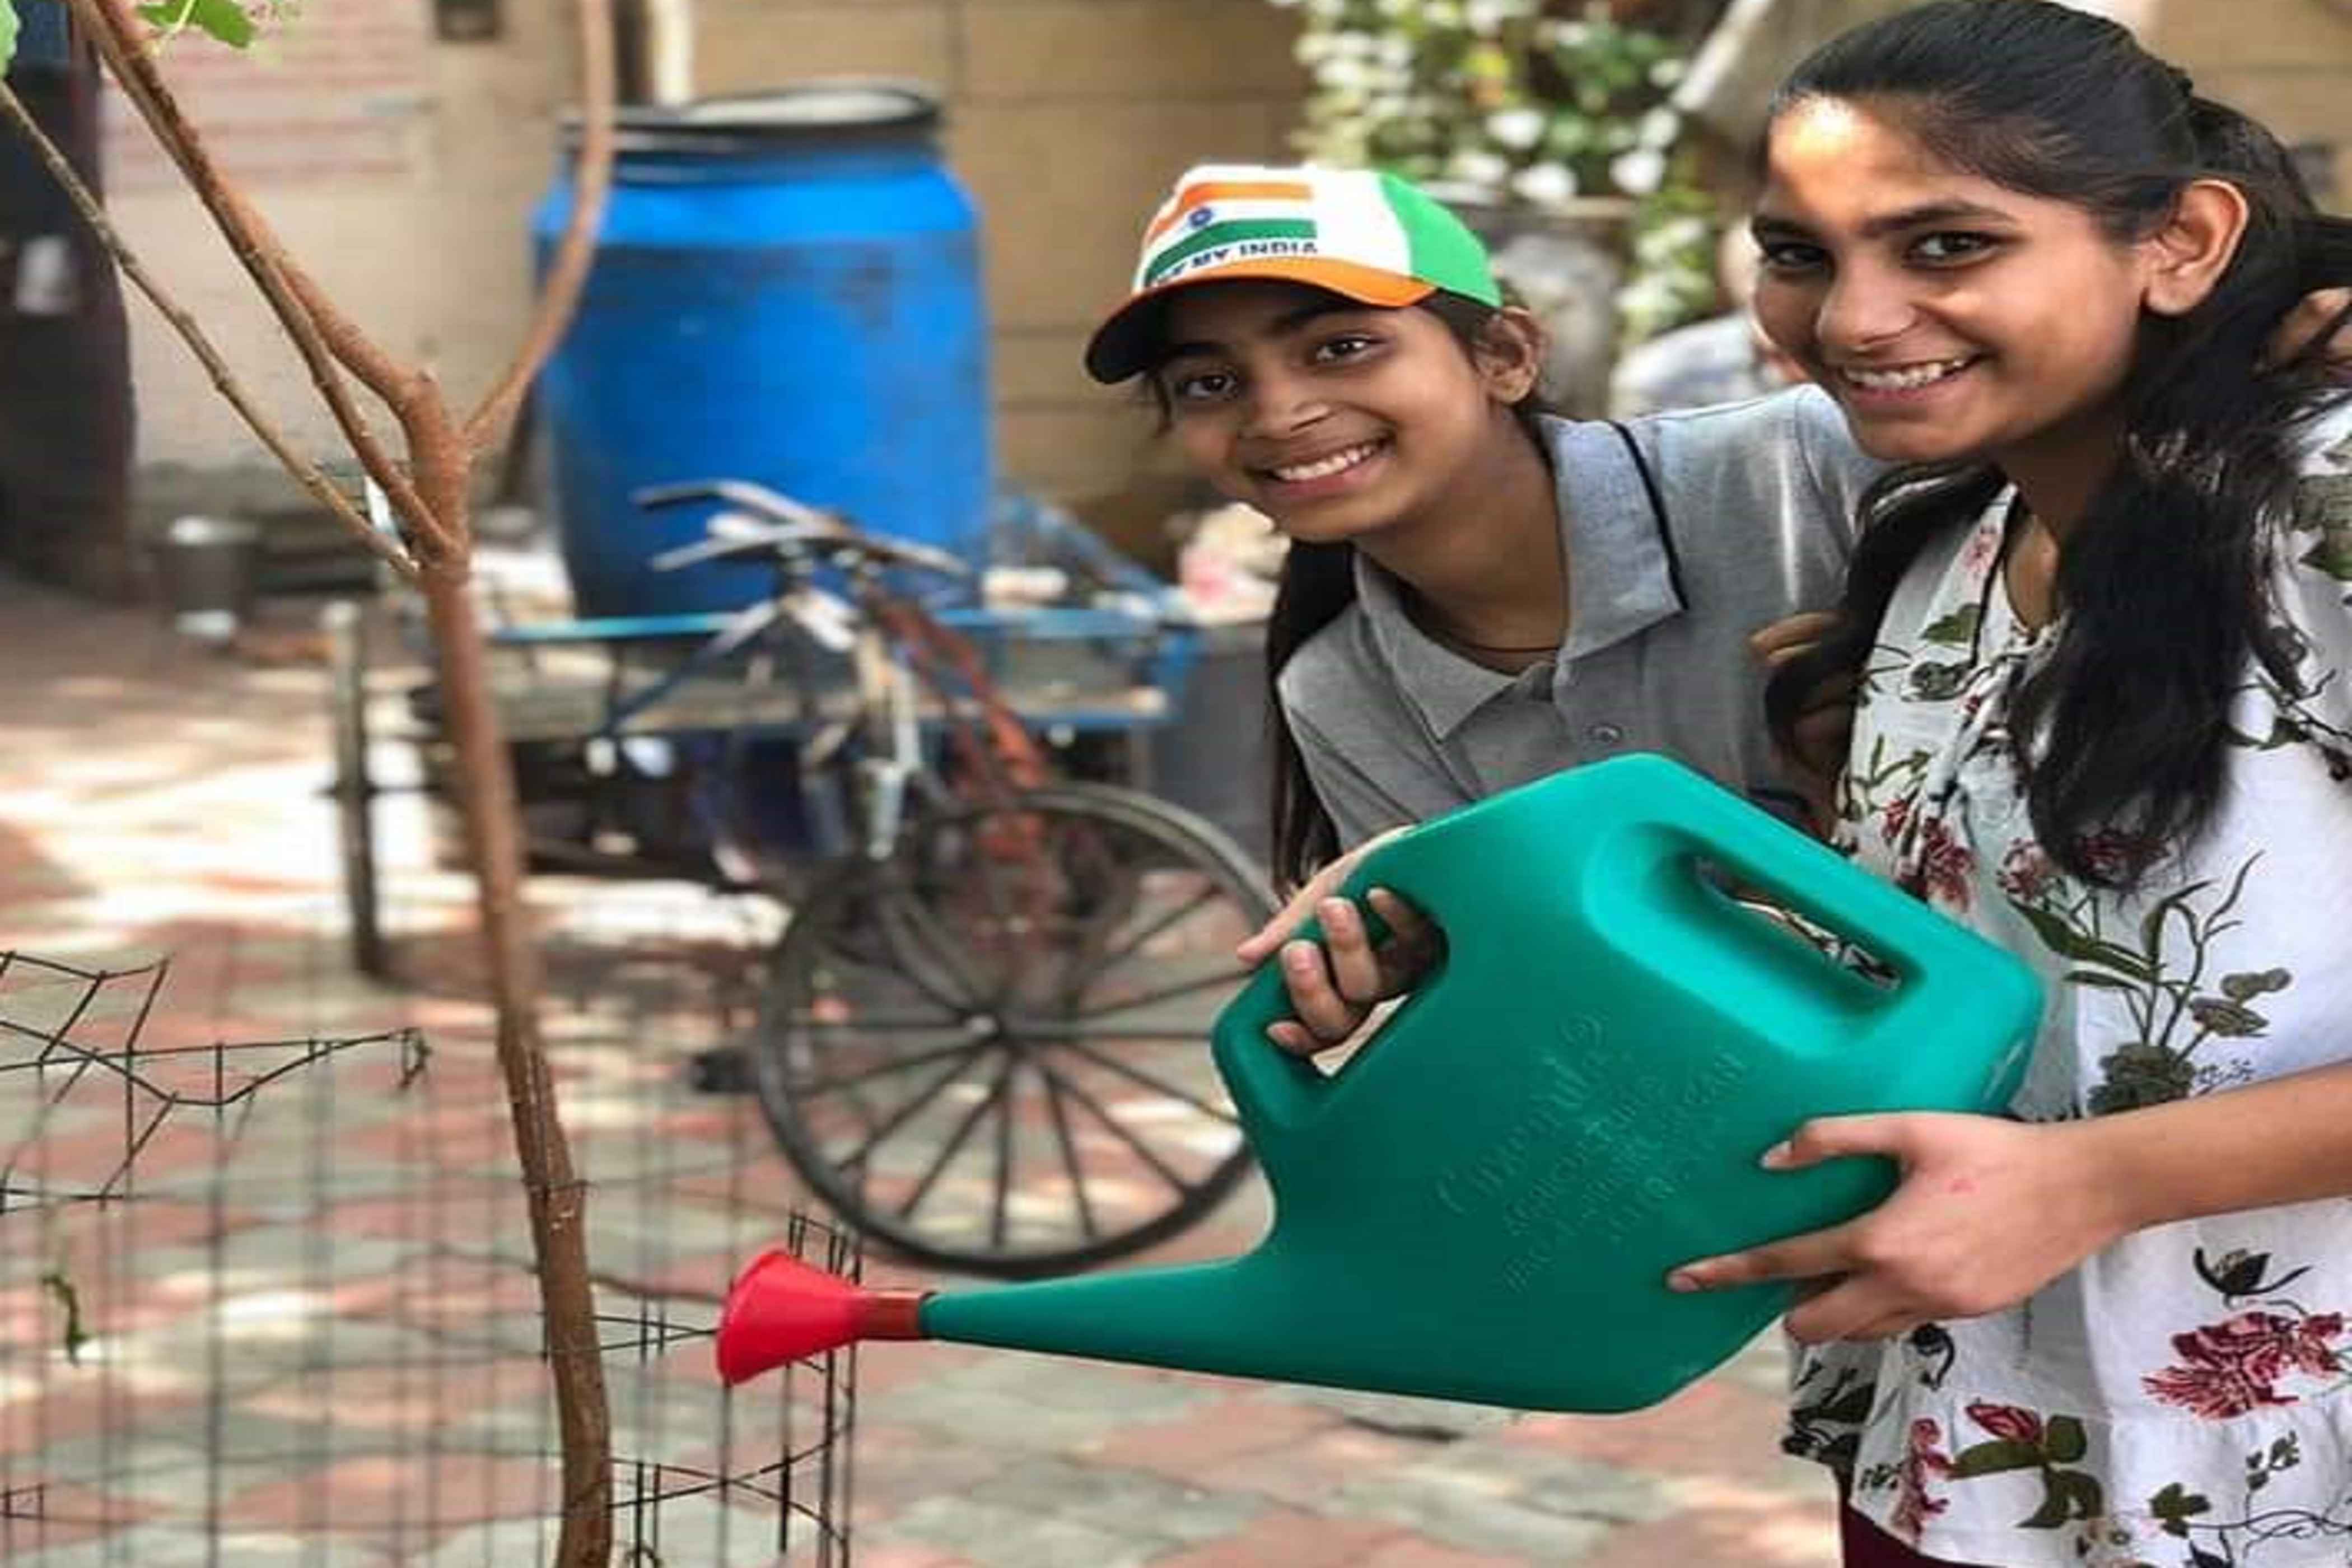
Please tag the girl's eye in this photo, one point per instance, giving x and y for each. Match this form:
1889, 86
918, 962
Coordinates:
1790, 255
1201, 387
1346, 346
1948, 247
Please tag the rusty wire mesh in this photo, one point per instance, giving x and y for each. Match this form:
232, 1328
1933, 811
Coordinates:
269, 1300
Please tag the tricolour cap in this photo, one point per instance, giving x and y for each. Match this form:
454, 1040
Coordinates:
1369, 236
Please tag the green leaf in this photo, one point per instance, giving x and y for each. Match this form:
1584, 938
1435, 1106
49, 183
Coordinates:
2064, 1440
2066, 943
1993, 1458
1955, 629
2332, 554
2151, 925
7, 32
2176, 1506
2071, 1495
223, 19
2053, 1511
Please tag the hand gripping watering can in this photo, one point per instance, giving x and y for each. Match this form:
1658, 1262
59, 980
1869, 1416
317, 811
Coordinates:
1484, 1202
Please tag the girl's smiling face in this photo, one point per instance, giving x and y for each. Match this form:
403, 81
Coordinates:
1334, 419
1951, 317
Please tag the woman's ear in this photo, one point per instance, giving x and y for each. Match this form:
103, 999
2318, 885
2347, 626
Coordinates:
2194, 246
1510, 354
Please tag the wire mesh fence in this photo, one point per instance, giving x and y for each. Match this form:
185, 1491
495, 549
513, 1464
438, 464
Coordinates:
270, 1300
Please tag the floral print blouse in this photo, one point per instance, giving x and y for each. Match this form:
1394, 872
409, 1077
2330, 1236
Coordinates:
2184, 1398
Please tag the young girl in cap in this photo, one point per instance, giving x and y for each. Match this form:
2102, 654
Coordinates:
2100, 625
1476, 593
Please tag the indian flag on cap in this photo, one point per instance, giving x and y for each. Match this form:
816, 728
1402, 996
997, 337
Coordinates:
1370, 237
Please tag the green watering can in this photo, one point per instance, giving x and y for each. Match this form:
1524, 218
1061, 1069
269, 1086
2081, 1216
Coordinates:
1484, 1202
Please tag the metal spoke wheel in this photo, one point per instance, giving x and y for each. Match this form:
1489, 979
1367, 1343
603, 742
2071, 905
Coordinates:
354, 787
990, 1051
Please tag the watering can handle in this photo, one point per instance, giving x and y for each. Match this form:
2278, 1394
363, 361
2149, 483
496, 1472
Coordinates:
1269, 1085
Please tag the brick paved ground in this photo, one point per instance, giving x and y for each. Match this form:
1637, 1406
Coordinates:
306, 1334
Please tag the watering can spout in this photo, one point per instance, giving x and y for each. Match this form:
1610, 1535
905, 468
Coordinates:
781, 1310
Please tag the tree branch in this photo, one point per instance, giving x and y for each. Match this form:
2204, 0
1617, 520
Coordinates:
568, 272
305, 472
117, 33
432, 494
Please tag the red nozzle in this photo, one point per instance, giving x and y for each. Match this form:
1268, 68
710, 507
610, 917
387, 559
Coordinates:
781, 1310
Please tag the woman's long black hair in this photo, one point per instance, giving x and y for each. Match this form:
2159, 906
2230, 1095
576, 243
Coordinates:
2162, 584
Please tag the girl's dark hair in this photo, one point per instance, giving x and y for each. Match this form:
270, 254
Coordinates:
2163, 581
1317, 582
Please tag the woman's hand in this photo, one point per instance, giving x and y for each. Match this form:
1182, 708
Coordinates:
2316, 313
1827, 721
1989, 1212
1334, 987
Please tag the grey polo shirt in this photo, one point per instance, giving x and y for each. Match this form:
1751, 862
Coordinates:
1759, 500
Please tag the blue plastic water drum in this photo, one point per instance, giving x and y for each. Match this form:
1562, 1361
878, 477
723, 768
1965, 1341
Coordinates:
786, 289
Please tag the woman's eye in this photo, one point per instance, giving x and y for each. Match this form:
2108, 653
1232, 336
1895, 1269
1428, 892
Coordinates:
1790, 255
1347, 345
1938, 248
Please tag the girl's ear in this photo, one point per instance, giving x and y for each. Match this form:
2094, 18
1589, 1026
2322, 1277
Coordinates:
2194, 246
1510, 354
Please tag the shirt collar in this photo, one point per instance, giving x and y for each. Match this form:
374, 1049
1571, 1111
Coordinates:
1620, 580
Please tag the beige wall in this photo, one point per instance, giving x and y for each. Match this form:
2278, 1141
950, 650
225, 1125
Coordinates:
406, 170
1066, 119
399, 170
2288, 63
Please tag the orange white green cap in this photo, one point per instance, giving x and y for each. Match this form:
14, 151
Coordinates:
1365, 235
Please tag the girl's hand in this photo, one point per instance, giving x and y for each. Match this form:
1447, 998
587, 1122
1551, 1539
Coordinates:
1989, 1212
1827, 722
1334, 987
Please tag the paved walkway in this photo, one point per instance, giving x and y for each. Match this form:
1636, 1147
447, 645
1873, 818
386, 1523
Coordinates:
305, 1338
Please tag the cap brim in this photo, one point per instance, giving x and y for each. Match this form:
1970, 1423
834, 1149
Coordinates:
1127, 343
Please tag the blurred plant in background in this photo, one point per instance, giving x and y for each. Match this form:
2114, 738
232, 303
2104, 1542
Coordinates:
1549, 106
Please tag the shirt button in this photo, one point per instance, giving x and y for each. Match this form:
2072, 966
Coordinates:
1604, 734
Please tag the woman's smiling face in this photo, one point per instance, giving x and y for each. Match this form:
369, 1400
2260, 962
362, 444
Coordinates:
1952, 317
1334, 419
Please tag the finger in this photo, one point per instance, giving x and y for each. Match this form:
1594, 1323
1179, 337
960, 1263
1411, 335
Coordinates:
1839, 1137
1260, 945
1348, 948
2312, 315
1855, 1309
1294, 1037
1407, 925
1414, 946
1791, 633
1808, 1257
1313, 1000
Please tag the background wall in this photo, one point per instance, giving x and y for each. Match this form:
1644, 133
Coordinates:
2286, 62
403, 171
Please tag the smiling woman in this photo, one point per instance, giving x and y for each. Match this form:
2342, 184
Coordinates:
2099, 629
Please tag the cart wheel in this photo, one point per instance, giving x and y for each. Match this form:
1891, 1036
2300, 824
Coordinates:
989, 1051
354, 789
